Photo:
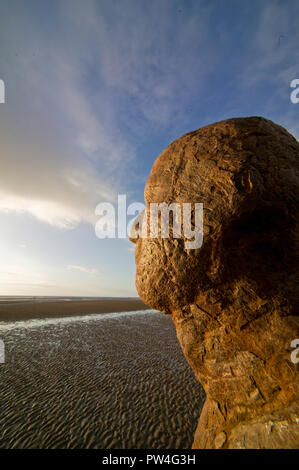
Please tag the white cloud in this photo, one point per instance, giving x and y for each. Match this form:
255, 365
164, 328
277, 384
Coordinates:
82, 269
46, 211
61, 151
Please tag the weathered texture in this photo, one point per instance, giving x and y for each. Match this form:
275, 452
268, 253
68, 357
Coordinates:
235, 300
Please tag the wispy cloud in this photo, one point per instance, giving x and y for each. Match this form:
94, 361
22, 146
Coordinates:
76, 98
83, 269
69, 155
82, 92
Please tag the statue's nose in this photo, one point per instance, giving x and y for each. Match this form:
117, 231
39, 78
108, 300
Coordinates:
137, 227
132, 239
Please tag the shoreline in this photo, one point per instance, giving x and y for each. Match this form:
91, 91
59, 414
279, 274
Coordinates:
33, 309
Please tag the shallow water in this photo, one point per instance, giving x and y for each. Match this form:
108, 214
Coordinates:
99, 381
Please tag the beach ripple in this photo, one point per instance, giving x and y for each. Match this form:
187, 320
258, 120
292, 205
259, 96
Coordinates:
108, 382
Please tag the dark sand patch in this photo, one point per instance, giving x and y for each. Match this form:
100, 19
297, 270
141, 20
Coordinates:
109, 382
27, 309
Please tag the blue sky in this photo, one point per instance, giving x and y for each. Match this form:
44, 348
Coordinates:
94, 91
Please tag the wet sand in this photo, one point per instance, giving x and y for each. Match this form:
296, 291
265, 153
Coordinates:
39, 308
103, 381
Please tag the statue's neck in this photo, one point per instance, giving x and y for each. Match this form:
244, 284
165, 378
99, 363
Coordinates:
245, 368
249, 380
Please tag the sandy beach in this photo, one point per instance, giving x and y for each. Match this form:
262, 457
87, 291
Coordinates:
100, 381
24, 309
